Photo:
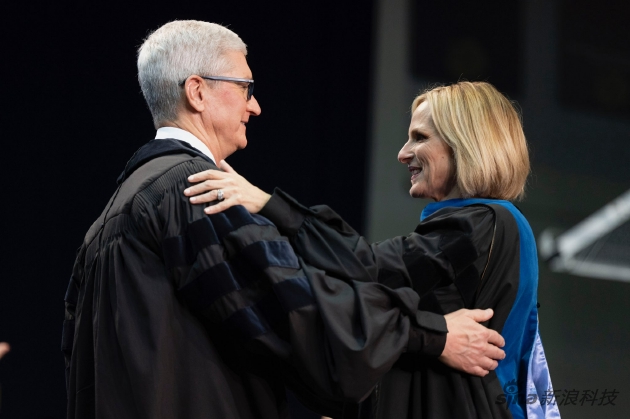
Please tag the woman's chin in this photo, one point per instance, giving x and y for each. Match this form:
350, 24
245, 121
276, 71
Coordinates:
416, 194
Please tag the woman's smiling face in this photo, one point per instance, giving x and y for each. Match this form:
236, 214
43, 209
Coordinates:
429, 158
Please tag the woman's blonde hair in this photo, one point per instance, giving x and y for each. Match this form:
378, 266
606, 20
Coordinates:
485, 132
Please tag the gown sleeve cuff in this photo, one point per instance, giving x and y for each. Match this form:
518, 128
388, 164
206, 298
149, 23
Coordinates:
429, 338
285, 212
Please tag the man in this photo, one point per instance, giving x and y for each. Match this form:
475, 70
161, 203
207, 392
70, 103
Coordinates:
174, 314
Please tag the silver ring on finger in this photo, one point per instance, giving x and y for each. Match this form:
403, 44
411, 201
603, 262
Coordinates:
220, 196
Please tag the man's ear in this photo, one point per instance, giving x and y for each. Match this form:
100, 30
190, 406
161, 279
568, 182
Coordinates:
195, 93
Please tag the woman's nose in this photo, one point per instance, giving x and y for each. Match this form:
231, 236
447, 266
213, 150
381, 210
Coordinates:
405, 155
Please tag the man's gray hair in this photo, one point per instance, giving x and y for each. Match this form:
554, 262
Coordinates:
176, 51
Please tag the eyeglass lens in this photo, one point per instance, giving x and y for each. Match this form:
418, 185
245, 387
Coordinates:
250, 91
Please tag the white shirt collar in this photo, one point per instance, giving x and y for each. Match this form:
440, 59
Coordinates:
182, 135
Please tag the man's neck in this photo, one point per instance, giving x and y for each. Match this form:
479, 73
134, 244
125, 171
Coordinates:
195, 128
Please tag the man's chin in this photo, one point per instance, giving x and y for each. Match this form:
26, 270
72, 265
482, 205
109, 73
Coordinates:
240, 142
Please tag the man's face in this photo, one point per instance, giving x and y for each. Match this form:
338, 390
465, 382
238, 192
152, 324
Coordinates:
228, 110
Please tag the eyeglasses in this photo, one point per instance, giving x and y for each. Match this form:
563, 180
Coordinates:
250, 83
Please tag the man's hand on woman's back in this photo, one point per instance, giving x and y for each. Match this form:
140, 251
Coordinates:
471, 347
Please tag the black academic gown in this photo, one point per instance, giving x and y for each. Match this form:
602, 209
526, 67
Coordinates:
171, 313
446, 261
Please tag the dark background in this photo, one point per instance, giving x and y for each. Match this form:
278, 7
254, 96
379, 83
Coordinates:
73, 114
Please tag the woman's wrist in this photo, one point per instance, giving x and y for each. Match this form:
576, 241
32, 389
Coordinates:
284, 212
261, 199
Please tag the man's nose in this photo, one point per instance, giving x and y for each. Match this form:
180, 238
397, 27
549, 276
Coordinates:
253, 107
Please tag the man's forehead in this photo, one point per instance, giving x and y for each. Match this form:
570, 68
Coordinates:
240, 68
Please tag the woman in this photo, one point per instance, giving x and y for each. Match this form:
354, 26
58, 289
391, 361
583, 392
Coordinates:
466, 150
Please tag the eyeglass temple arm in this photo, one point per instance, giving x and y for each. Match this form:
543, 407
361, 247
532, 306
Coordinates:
219, 78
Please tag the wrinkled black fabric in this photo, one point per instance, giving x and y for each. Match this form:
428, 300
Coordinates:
443, 260
171, 313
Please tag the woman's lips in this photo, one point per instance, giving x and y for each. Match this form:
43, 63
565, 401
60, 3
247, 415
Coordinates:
415, 171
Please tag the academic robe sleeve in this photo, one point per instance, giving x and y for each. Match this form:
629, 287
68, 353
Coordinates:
447, 248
